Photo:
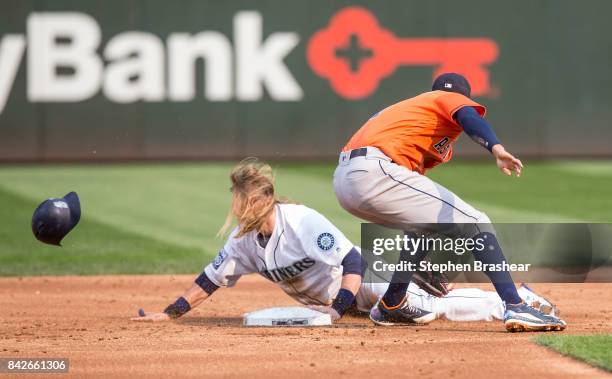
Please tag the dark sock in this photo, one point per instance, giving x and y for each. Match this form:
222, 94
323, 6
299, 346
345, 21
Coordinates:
502, 281
400, 279
395, 294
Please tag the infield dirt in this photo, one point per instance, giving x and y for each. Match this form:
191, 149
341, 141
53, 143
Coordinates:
86, 319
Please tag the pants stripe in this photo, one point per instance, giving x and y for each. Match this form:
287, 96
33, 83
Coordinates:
423, 192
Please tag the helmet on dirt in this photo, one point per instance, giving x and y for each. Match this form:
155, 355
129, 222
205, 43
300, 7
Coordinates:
452, 82
54, 218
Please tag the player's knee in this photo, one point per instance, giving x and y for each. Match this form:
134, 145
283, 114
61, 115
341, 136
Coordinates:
485, 225
483, 218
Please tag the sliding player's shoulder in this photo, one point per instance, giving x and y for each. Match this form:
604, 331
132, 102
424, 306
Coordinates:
297, 214
238, 245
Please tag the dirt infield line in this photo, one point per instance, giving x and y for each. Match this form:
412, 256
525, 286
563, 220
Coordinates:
86, 319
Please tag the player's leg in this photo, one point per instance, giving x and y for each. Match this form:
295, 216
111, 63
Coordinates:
371, 298
394, 306
369, 294
469, 304
462, 304
474, 304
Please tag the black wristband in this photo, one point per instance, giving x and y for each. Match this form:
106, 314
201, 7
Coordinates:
206, 284
343, 301
353, 263
178, 308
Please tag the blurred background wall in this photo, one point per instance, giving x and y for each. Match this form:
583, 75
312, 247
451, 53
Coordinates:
113, 80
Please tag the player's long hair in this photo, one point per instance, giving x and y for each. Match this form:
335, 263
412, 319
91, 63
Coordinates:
253, 196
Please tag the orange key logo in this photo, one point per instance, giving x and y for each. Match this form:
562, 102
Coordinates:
355, 53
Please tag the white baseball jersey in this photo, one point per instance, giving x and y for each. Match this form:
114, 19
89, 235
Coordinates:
303, 256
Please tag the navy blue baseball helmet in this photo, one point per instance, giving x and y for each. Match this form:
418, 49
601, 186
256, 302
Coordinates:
55, 218
452, 82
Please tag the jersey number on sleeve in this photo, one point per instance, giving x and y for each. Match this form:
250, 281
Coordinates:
442, 146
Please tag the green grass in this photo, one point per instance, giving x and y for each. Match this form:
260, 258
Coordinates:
162, 218
596, 350
94, 248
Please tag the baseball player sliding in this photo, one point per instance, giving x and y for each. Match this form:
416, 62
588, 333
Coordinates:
380, 178
310, 259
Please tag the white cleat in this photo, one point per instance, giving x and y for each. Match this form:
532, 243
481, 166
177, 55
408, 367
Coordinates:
536, 301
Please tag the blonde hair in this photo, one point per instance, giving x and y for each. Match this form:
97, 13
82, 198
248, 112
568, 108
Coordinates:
253, 196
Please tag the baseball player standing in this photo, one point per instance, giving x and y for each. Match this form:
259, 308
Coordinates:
381, 178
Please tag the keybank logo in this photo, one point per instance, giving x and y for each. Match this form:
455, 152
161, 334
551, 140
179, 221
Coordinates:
63, 63
67, 63
354, 53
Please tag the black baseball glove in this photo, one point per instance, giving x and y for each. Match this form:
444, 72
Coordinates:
432, 282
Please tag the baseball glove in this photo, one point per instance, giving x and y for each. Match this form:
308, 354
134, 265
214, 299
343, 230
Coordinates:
432, 282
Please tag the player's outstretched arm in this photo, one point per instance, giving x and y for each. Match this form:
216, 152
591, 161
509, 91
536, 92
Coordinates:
481, 132
193, 297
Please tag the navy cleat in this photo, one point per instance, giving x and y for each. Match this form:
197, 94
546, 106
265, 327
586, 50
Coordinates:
524, 318
402, 314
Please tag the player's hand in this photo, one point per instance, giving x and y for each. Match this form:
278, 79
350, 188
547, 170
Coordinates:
507, 162
151, 317
335, 316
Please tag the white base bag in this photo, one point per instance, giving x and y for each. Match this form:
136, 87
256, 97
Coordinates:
286, 316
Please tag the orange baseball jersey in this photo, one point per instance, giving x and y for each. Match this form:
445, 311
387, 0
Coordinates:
417, 133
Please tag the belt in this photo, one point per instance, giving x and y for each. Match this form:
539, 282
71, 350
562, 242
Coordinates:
361, 152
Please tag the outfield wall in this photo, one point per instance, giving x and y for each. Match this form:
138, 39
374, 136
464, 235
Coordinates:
103, 80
